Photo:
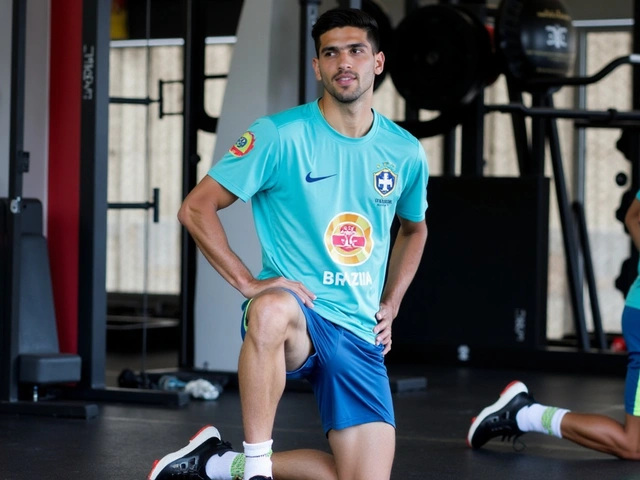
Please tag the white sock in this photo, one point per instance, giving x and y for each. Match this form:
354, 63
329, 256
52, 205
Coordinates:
229, 466
541, 418
257, 459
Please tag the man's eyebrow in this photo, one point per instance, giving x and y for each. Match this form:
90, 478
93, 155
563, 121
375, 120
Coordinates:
332, 48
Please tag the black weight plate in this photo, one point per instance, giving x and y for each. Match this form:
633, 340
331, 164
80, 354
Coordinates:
437, 57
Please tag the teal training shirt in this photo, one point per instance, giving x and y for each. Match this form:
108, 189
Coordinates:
633, 296
323, 204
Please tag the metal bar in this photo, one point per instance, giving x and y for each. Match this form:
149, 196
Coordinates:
579, 169
538, 141
190, 161
155, 205
449, 140
606, 70
308, 85
130, 206
611, 115
472, 149
94, 153
578, 211
580, 135
568, 229
603, 24
171, 42
132, 101
519, 126
10, 273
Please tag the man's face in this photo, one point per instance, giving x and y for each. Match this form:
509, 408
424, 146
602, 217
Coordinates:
346, 63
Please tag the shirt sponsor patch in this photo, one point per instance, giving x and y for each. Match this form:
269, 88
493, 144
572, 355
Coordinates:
244, 145
348, 239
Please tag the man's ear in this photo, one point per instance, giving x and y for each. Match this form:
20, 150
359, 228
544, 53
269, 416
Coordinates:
316, 68
379, 67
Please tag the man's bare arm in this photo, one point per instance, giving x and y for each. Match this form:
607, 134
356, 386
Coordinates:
199, 215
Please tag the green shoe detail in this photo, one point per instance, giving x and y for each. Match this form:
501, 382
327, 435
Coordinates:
237, 467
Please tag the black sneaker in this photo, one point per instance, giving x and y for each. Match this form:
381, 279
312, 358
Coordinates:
260, 477
499, 419
189, 462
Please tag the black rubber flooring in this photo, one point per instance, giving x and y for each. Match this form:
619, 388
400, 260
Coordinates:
123, 441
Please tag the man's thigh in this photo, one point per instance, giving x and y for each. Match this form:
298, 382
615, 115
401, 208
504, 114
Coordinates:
364, 451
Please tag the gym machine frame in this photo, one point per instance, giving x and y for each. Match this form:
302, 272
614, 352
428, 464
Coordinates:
531, 158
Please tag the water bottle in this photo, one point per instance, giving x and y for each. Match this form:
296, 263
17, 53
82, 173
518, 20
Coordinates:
171, 382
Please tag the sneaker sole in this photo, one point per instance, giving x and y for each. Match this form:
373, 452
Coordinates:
204, 434
514, 388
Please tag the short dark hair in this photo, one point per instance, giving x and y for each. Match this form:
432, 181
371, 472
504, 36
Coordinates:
346, 17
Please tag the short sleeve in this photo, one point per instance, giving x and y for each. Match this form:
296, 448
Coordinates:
413, 201
251, 164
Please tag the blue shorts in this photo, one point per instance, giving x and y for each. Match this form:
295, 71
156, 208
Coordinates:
347, 374
631, 333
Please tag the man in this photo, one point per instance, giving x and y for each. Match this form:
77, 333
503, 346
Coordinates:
516, 412
326, 181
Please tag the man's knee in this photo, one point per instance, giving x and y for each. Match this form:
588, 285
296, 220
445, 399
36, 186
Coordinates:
270, 313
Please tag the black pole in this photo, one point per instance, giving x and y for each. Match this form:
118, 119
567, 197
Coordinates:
519, 126
538, 139
578, 211
190, 161
568, 228
449, 140
634, 155
94, 148
472, 147
10, 291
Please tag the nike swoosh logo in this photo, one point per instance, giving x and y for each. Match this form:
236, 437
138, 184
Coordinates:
311, 179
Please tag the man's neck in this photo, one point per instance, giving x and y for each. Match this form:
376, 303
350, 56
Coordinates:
351, 120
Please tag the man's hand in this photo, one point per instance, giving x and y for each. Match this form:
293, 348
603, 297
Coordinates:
258, 286
385, 317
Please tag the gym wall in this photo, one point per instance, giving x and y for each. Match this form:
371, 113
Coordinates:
36, 99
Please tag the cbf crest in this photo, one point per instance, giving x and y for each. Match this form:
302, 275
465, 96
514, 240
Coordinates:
384, 180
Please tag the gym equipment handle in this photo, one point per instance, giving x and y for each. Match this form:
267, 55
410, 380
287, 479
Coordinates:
606, 70
155, 205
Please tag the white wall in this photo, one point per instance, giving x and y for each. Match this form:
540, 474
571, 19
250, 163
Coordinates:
263, 79
36, 101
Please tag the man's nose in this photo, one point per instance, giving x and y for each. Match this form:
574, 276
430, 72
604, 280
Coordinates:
344, 60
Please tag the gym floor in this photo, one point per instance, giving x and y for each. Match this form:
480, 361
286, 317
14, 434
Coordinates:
123, 441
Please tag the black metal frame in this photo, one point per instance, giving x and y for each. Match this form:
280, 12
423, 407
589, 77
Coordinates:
10, 249
92, 294
9, 293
